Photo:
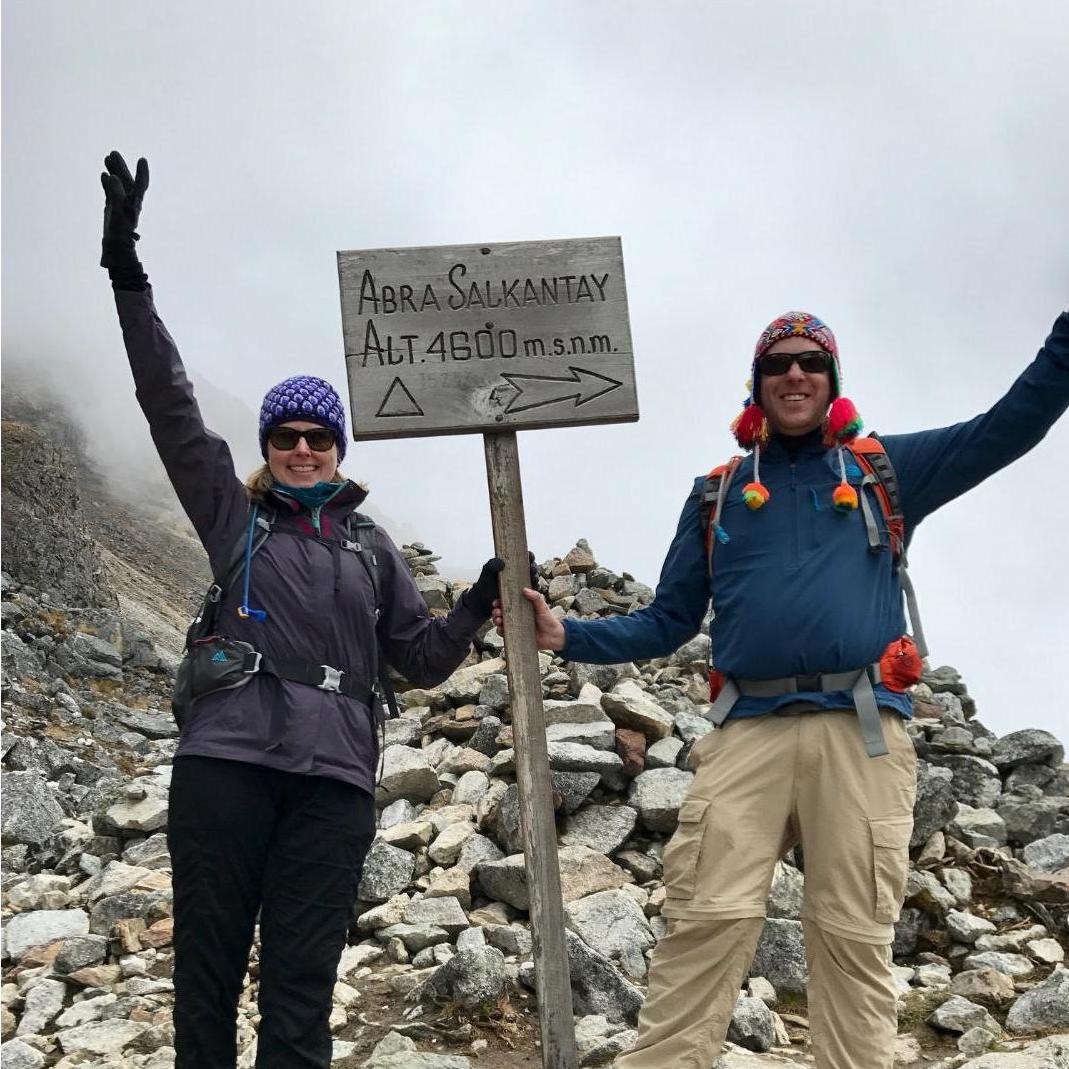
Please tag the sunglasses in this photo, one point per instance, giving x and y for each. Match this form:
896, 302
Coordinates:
319, 439
780, 363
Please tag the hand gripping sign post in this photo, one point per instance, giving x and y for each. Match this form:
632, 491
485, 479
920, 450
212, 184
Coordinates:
498, 338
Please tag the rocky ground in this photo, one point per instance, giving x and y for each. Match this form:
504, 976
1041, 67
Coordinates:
438, 973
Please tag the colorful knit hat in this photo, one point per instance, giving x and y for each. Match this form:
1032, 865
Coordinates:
841, 425
303, 397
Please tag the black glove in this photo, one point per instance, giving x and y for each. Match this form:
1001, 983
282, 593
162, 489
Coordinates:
482, 594
123, 195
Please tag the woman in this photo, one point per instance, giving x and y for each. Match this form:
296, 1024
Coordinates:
272, 792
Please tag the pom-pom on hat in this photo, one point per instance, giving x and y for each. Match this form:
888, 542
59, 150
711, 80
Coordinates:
303, 397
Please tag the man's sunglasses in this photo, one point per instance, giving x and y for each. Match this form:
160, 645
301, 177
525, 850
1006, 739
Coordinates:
319, 439
780, 363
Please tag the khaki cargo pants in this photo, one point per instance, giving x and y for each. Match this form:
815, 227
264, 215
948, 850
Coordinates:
761, 786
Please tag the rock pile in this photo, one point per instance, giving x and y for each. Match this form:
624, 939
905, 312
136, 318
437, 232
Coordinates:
442, 917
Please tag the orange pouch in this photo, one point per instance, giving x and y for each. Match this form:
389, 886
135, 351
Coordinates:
716, 684
900, 665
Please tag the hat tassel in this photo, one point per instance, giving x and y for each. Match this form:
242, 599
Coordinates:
842, 424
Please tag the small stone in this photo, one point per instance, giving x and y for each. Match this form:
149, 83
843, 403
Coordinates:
19, 1055
454, 883
40, 927
752, 1025
1049, 854
1015, 965
985, 985
472, 978
600, 827
441, 912
976, 1041
1044, 1008
413, 835
1030, 746
958, 1014
42, 1002
966, 928
406, 773
387, 871
1048, 951
631, 707
447, 847
780, 956
100, 1037
663, 753
657, 795
615, 924
630, 746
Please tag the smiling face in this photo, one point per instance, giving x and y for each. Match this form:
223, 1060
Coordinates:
301, 466
795, 402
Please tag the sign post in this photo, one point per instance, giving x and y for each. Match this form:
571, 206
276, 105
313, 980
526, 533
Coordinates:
495, 338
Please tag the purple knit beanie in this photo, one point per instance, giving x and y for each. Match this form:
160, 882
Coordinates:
303, 397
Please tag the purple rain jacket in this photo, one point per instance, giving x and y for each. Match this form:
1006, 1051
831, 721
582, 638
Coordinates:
319, 599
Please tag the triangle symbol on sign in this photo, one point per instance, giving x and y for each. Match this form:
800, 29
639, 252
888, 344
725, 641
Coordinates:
399, 401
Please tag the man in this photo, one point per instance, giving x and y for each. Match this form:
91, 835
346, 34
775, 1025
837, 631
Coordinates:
808, 639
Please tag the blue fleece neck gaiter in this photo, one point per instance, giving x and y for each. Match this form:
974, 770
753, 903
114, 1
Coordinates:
311, 497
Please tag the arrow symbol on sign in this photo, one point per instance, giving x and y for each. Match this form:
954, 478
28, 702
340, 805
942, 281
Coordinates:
539, 390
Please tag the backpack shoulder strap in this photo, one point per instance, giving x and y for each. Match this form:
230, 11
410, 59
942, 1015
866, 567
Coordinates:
714, 494
872, 458
362, 538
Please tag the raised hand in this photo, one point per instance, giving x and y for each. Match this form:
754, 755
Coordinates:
123, 196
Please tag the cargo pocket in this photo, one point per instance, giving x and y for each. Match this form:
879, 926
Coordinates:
890, 864
683, 852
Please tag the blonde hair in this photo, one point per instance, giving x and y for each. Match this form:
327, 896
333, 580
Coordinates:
261, 482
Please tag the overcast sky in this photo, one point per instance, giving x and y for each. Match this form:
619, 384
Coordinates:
898, 169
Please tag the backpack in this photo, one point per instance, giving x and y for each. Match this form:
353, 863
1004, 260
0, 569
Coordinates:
211, 662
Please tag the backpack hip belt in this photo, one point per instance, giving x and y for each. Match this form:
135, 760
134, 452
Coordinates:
321, 676
858, 681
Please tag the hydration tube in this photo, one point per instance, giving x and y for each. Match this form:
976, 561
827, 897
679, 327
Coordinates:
243, 609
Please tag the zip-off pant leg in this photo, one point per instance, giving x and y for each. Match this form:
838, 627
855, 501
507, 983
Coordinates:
853, 1019
694, 981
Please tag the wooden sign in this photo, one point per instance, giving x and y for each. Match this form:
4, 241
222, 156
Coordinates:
458, 339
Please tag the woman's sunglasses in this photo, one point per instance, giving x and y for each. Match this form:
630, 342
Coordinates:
780, 363
319, 439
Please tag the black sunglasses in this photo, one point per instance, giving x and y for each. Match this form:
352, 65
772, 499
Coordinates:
319, 439
780, 363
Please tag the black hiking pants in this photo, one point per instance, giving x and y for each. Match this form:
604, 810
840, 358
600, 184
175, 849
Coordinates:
245, 838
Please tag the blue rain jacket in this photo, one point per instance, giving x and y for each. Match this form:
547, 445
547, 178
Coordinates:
796, 590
